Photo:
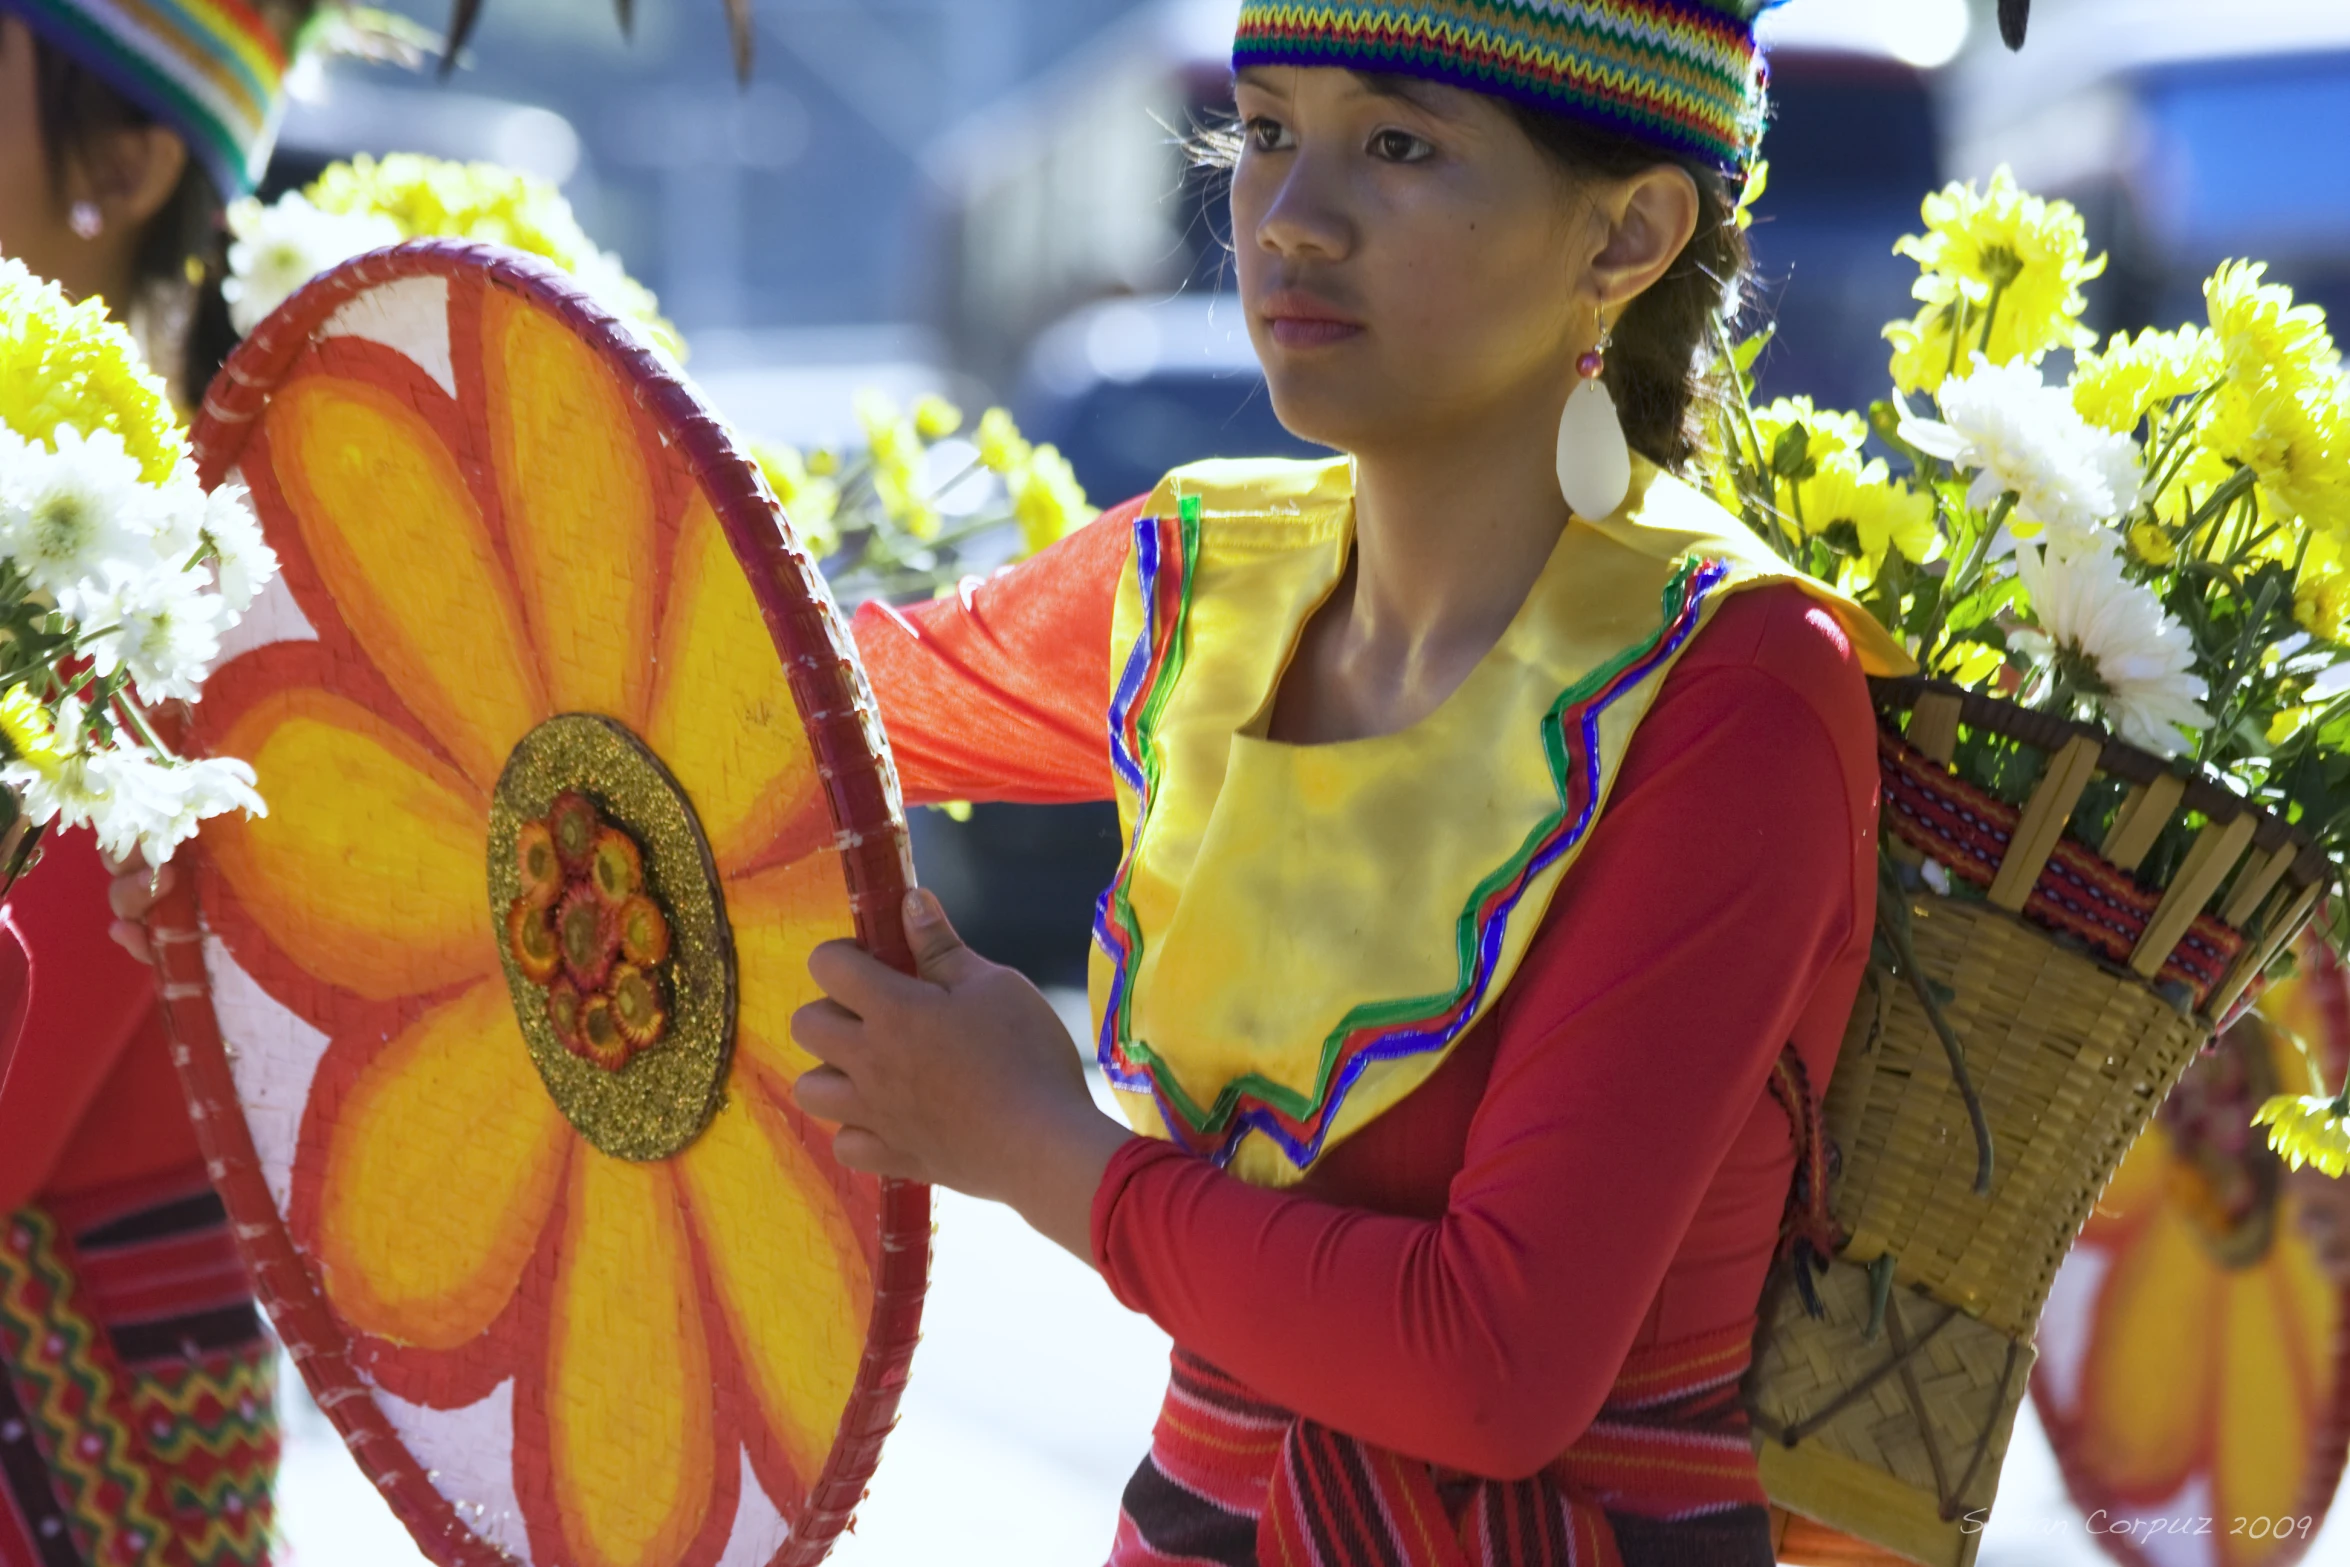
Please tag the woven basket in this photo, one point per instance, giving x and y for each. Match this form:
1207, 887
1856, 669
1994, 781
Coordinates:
2075, 995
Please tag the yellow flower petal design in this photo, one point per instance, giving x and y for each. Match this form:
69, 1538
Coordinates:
2144, 1433
578, 506
2308, 1306
400, 544
2137, 1186
367, 870
2262, 1432
797, 1292
444, 1163
779, 917
629, 1436
722, 714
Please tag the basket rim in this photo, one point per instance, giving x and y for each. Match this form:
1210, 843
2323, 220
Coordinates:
2049, 733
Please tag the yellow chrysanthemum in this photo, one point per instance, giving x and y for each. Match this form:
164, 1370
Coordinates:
25, 726
2151, 544
2001, 254
1001, 446
66, 364
1864, 497
810, 500
436, 198
2308, 1129
1828, 431
2262, 332
935, 418
1047, 499
2116, 389
2321, 603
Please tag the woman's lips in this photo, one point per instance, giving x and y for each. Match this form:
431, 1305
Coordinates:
1298, 320
1310, 331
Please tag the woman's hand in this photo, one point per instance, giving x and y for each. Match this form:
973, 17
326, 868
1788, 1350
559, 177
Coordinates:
961, 1076
136, 889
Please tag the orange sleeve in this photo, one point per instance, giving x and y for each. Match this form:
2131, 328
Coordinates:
1002, 692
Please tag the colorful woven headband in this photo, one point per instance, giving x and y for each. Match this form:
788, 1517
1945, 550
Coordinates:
210, 69
1683, 75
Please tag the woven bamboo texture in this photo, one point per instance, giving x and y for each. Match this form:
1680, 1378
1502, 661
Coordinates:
2075, 996
1897, 1439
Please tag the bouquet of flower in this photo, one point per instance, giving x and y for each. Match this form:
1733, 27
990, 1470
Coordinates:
919, 506
367, 203
118, 576
2159, 541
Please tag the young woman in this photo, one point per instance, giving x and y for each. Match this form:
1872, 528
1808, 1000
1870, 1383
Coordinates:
1501, 833
1501, 839
137, 1418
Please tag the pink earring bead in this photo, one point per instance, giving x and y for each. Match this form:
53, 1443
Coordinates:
1590, 365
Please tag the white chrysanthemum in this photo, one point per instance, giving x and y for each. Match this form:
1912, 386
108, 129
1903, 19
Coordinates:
2018, 435
161, 804
131, 799
282, 246
163, 628
74, 518
2109, 638
242, 560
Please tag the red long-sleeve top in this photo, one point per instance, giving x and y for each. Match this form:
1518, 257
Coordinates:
1599, 1164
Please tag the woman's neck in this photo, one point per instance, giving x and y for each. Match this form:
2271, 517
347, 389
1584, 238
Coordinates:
1450, 534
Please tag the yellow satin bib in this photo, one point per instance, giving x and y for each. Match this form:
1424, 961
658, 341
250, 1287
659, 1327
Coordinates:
1298, 935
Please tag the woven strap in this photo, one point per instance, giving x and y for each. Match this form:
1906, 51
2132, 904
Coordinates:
1808, 1232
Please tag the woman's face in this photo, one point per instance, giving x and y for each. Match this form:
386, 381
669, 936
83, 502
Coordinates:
1409, 260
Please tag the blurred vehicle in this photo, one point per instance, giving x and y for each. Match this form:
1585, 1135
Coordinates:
359, 112
2187, 134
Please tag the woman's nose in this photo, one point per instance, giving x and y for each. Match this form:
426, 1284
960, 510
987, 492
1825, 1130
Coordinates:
1308, 215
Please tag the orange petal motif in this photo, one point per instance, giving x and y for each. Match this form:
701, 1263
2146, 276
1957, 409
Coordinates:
723, 716
798, 1294
780, 916
2262, 1431
368, 868
444, 1162
428, 600
2147, 1432
578, 505
629, 1435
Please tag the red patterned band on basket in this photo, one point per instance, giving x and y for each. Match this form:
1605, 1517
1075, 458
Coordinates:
2079, 893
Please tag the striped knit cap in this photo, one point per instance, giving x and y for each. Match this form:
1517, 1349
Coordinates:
1682, 75
210, 69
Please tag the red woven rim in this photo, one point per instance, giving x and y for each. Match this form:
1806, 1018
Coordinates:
828, 688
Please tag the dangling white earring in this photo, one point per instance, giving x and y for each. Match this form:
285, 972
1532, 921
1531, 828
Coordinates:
85, 219
1594, 464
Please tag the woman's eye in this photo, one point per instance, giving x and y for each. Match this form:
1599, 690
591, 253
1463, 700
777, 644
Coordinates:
1394, 146
1266, 134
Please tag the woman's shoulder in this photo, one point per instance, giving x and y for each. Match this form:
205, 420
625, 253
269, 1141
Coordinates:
1792, 648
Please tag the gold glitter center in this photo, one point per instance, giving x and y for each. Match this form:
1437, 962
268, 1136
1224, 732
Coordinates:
660, 1101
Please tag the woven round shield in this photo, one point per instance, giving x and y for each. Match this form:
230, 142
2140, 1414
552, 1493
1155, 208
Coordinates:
485, 1025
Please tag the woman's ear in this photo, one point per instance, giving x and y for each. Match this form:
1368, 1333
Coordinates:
130, 173
1651, 217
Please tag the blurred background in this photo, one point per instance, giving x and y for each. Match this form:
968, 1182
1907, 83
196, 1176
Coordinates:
987, 198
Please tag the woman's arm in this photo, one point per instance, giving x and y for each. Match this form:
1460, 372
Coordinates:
1730, 875
1002, 692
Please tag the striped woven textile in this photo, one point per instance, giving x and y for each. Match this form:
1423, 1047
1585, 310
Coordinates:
1665, 1475
2079, 893
210, 69
138, 1415
1684, 75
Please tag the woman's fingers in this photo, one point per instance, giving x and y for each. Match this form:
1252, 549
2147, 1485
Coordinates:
131, 936
828, 1031
859, 1149
134, 893
826, 1093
